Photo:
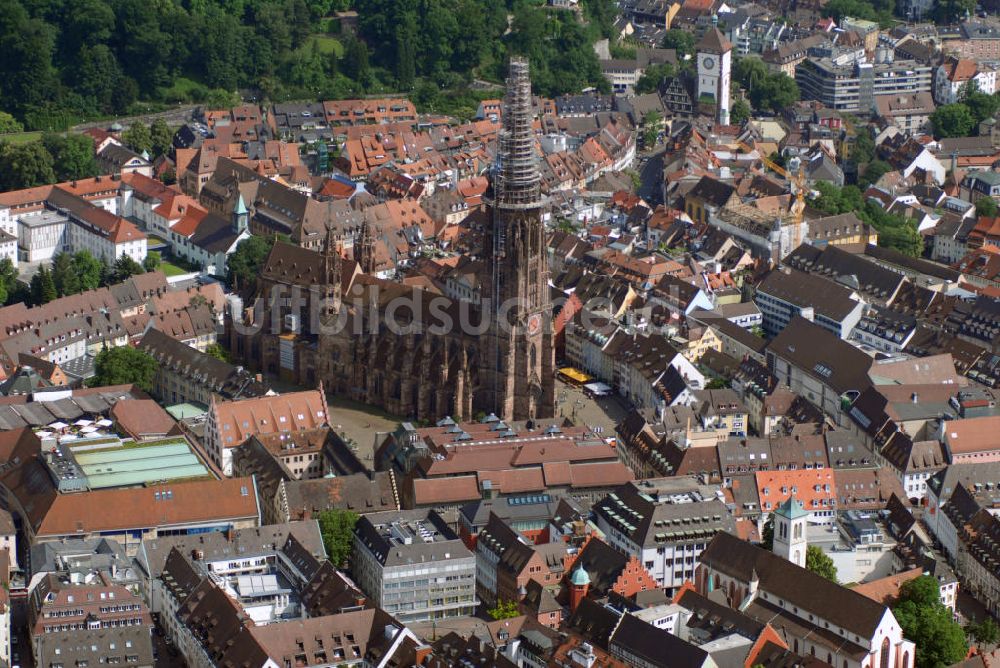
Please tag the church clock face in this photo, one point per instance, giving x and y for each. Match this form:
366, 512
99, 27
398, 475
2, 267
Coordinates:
708, 62
534, 323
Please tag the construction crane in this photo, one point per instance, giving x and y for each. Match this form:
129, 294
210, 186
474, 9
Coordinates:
798, 187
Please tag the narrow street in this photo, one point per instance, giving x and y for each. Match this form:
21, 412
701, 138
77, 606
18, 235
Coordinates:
650, 168
173, 117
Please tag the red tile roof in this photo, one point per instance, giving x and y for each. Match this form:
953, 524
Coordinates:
202, 501
265, 415
815, 488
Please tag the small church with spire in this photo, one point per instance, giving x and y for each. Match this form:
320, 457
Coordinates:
790, 524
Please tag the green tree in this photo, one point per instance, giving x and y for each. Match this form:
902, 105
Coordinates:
219, 353
984, 632
356, 61
767, 534
337, 528
873, 172
245, 262
161, 138
981, 105
819, 563
740, 112
25, 166
986, 206
863, 150
100, 78
123, 366
681, 40
152, 261
138, 138
64, 275
952, 120
778, 91
43, 288
124, 268
940, 641
72, 155
89, 270
651, 79
8, 279
750, 71
651, 124
9, 124
951, 11
504, 610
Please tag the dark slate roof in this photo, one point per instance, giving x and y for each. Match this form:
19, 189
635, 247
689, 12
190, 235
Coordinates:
229, 381
798, 586
214, 234
852, 270
715, 620
711, 191
657, 647
822, 355
801, 289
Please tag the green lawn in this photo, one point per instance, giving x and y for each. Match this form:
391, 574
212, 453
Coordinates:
326, 44
21, 137
170, 269
183, 89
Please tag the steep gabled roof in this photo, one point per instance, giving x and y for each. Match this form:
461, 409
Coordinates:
797, 586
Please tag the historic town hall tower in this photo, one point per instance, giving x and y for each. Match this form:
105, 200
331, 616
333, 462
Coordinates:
517, 377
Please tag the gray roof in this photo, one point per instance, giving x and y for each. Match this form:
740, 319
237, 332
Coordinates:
823, 355
96, 647
152, 554
655, 524
231, 382
375, 531
799, 587
848, 268
800, 289
943, 483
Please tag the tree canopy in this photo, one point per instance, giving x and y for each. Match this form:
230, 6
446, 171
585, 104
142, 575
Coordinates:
8, 279
651, 79
986, 206
819, 563
246, 261
337, 529
894, 230
984, 632
504, 610
123, 366
69, 60
740, 112
952, 120
43, 287
939, 640
768, 91
680, 40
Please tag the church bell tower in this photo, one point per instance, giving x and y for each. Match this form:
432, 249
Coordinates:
517, 379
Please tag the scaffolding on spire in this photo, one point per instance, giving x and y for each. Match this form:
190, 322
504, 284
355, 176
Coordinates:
518, 182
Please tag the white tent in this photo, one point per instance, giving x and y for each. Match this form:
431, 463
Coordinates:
598, 389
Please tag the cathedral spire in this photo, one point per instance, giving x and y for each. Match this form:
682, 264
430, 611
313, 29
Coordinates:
518, 180
364, 247
330, 280
331, 259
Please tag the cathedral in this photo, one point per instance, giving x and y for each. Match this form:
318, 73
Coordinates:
319, 317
